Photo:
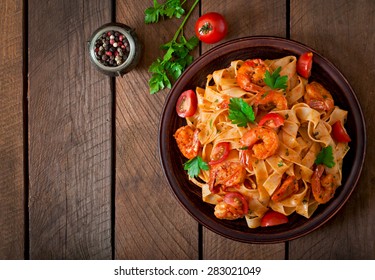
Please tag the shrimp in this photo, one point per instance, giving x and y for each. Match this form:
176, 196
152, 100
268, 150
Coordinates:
227, 174
323, 188
250, 76
269, 97
317, 97
263, 141
233, 207
245, 159
187, 141
288, 187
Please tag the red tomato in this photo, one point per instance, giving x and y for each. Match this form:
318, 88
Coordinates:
339, 133
220, 153
211, 28
304, 64
273, 218
237, 200
272, 120
187, 104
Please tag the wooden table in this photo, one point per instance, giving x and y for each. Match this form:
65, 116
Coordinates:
80, 175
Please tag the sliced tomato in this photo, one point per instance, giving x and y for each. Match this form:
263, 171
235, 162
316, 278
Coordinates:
237, 200
273, 218
339, 133
220, 153
272, 120
187, 104
304, 64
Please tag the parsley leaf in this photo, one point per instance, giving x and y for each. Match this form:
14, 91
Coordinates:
194, 166
171, 8
274, 80
167, 69
325, 157
240, 113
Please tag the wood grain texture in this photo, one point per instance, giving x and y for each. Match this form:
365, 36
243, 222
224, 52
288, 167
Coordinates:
245, 18
71, 124
150, 223
69, 133
12, 198
248, 18
343, 32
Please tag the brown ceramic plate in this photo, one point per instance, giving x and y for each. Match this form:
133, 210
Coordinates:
190, 195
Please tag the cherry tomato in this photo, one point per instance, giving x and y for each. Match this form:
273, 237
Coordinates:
273, 218
272, 120
211, 28
187, 104
339, 133
220, 153
237, 200
304, 64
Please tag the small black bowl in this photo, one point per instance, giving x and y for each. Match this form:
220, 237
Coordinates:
133, 53
190, 195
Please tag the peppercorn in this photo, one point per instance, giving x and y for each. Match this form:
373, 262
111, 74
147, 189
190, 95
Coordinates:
111, 48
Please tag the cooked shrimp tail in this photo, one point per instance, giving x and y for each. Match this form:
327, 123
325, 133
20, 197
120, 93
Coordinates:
263, 141
271, 98
323, 187
286, 189
187, 141
317, 97
250, 76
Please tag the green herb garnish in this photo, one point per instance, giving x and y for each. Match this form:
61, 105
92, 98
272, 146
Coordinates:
240, 113
274, 80
177, 56
194, 166
325, 157
171, 8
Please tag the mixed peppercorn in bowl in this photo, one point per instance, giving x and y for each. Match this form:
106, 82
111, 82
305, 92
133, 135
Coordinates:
114, 49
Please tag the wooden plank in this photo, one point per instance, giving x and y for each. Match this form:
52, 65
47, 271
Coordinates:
69, 133
12, 185
150, 223
245, 18
343, 32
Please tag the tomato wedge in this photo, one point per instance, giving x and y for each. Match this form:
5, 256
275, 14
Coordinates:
220, 153
272, 120
273, 218
339, 133
237, 200
187, 104
304, 64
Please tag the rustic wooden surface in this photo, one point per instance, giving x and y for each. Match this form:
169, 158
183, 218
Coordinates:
12, 185
80, 175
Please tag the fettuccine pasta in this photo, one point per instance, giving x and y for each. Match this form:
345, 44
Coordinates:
285, 159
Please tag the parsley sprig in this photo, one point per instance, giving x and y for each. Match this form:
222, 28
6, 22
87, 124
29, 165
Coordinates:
171, 8
325, 157
177, 56
240, 113
274, 80
195, 165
